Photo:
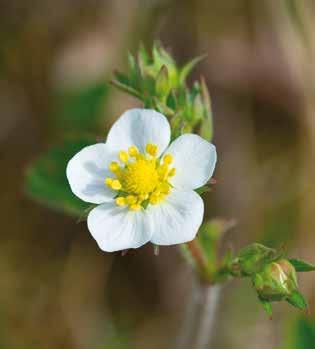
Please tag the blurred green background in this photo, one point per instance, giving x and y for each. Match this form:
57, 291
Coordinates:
57, 289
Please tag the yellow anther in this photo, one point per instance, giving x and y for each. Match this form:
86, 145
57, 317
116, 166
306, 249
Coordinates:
133, 151
143, 197
165, 188
154, 199
151, 149
135, 207
130, 199
168, 159
163, 171
123, 156
143, 177
121, 201
172, 172
114, 166
116, 184
109, 181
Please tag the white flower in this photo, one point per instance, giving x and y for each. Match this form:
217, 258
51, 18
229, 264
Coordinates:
144, 187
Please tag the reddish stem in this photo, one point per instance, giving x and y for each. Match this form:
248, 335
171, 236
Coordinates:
197, 254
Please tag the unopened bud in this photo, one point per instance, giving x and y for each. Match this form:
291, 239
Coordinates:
276, 281
253, 258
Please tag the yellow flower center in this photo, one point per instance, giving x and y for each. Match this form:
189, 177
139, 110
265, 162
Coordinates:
140, 179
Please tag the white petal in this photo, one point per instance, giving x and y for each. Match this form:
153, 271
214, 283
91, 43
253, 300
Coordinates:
140, 127
178, 219
117, 228
194, 160
86, 173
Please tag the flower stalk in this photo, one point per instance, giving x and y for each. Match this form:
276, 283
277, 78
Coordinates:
160, 84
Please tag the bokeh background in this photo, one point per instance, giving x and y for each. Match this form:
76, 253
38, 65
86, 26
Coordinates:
57, 289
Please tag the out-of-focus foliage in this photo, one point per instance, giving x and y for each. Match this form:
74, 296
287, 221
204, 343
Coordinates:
80, 109
46, 178
301, 334
78, 113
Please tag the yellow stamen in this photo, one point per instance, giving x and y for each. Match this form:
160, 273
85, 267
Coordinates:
165, 188
154, 199
143, 197
141, 178
120, 201
123, 156
151, 149
135, 207
130, 199
172, 172
114, 166
109, 181
133, 151
116, 185
168, 159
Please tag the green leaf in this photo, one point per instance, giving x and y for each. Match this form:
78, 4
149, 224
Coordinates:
297, 300
46, 180
80, 109
301, 266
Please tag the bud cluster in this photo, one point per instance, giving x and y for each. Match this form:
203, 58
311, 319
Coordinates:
160, 84
273, 276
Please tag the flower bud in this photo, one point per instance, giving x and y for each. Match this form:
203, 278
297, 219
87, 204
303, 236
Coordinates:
162, 85
276, 281
253, 258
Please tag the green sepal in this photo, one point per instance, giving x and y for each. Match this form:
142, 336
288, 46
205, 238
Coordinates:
266, 305
297, 300
162, 86
125, 88
188, 67
253, 258
301, 266
206, 129
203, 189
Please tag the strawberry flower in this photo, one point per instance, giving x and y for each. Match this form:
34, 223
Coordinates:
144, 187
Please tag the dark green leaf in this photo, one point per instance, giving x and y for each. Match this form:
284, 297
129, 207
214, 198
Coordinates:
46, 178
301, 266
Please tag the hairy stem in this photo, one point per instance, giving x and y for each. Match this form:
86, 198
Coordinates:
209, 303
197, 328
